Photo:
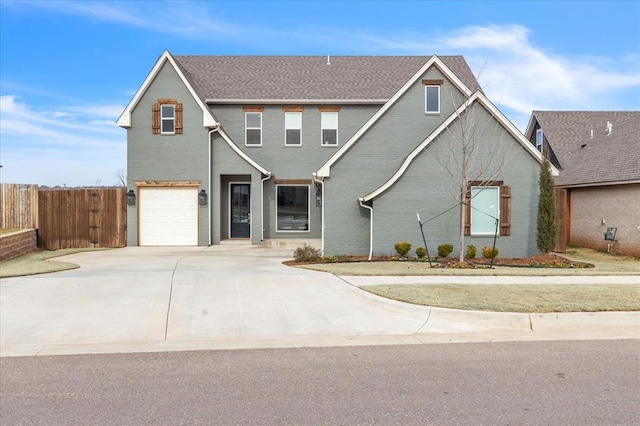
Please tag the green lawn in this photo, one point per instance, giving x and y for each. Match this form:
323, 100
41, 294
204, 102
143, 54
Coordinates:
516, 297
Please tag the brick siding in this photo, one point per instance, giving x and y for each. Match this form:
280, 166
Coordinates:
618, 206
17, 244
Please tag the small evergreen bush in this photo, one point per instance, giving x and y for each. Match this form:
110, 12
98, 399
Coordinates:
402, 248
490, 252
471, 251
306, 253
421, 252
444, 250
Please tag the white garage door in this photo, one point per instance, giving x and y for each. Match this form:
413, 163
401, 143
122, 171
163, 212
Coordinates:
168, 217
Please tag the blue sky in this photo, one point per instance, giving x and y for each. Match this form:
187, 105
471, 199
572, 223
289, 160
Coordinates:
68, 69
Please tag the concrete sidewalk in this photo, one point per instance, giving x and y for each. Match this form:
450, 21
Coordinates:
137, 299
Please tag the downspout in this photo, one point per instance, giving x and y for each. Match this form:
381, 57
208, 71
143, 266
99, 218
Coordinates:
370, 208
321, 182
210, 143
262, 204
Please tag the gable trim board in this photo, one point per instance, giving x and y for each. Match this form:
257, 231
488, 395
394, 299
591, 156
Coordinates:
476, 97
325, 169
125, 118
297, 101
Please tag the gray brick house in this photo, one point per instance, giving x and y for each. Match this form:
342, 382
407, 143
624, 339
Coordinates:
598, 155
340, 151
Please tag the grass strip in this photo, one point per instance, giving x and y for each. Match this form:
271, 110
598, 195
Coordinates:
38, 263
516, 297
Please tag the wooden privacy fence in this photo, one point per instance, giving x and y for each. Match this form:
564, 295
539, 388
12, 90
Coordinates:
95, 217
18, 206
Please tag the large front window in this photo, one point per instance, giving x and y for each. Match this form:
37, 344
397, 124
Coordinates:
293, 208
167, 117
329, 123
484, 209
253, 125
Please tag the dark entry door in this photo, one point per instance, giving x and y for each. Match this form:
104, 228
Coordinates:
240, 210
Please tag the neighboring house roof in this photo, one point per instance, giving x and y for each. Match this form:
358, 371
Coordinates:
311, 78
585, 160
477, 97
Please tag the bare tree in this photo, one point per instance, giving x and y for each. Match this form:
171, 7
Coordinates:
121, 176
469, 154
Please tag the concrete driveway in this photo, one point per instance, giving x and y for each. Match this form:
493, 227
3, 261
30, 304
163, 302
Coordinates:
156, 299
138, 294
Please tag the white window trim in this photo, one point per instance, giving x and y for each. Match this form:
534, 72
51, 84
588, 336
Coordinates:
295, 231
426, 87
163, 119
540, 146
246, 127
292, 128
330, 128
485, 234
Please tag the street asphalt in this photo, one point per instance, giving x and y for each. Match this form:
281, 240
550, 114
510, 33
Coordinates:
142, 299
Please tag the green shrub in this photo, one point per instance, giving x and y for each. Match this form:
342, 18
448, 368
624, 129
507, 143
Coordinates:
306, 253
402, 248
421, 252
490, 252
444, 250
471, 251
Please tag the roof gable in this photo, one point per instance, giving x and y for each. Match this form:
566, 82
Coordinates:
325, 169
125, 118
477, 97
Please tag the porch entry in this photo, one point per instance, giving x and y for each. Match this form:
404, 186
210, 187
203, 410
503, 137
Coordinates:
240, 210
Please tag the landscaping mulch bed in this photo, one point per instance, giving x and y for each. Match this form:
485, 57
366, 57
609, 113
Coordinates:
538, 261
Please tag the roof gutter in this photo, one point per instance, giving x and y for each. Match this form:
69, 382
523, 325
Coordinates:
370, 208
297, 101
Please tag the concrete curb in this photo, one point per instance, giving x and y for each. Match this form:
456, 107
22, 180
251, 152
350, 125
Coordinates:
585, 320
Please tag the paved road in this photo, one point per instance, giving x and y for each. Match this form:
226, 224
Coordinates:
580, 383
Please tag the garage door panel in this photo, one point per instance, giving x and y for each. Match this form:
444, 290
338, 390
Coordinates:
168, 217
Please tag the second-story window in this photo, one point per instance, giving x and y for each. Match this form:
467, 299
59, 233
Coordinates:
329, 123
432, 99
167, 118
253, 128
293, 128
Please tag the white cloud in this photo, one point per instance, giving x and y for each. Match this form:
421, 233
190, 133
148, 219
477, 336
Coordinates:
77, 145
521, 77
189, 19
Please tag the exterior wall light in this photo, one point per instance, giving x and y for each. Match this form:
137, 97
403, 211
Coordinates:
131, 198
202, 197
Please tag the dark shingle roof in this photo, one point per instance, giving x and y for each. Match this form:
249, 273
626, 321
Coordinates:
308, 77
604, 158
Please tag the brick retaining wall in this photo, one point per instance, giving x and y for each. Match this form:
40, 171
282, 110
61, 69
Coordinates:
17, 244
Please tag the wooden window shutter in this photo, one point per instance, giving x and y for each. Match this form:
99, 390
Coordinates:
155, 119
505, 211
467, 213
178, 109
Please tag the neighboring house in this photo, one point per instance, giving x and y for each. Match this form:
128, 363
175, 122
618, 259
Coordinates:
335, 150
598, 154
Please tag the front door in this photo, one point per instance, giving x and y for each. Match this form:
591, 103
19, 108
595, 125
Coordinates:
240, 214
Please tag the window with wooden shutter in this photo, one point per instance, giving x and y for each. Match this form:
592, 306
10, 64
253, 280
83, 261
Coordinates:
166, 117
504, 211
